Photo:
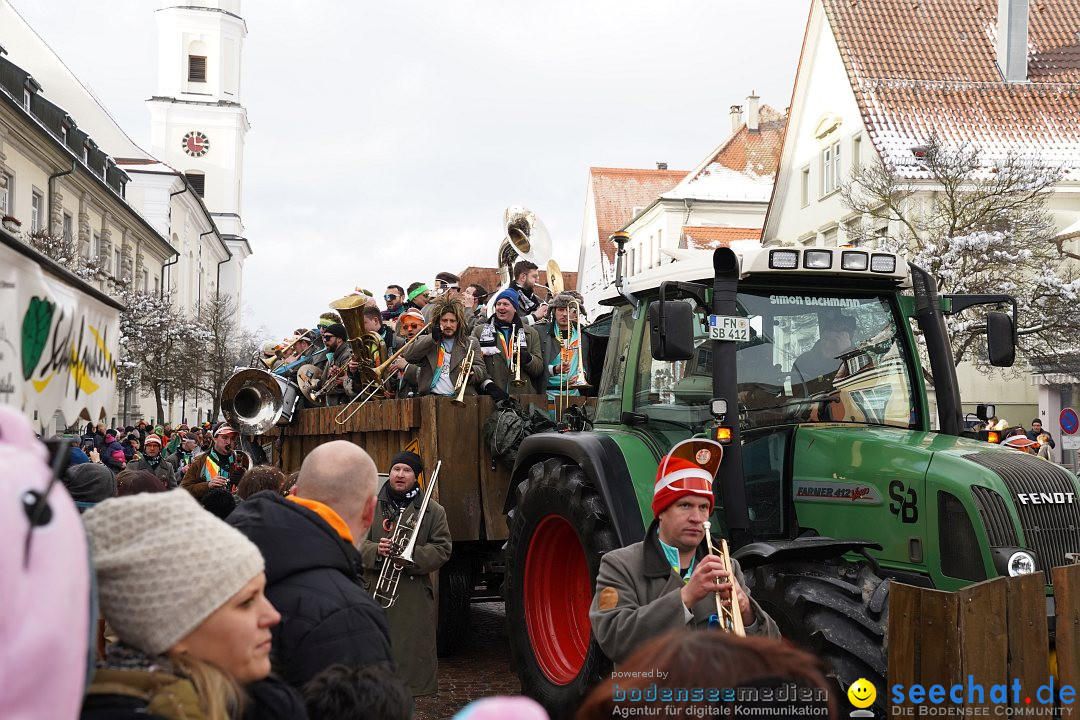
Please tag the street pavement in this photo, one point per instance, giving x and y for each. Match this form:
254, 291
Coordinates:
480, 669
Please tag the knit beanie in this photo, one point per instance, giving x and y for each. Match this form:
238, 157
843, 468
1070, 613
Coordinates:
337, 330
409, 458
687, 470
512, 296
164, 565
89, 482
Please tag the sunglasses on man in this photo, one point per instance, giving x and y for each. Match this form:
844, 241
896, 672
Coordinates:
389, 298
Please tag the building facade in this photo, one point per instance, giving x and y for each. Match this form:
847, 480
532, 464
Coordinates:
876, 80
154, 226
666, 213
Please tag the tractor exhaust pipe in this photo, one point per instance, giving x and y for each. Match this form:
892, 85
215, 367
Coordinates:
725, 385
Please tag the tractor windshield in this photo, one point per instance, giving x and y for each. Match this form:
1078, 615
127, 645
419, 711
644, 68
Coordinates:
811, 357
821, 358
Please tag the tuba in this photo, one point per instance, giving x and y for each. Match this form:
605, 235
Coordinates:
526, 239
254, 400
366, 345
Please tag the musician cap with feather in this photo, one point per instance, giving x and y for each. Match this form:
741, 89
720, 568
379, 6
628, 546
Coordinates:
688, 469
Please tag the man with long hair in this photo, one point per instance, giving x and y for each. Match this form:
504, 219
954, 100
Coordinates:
439, 355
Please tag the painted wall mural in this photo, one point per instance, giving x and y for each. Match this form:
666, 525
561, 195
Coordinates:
58, 346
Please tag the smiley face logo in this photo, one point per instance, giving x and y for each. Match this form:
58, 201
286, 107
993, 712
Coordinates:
862, 693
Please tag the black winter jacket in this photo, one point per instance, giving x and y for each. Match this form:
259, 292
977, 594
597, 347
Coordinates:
315, 580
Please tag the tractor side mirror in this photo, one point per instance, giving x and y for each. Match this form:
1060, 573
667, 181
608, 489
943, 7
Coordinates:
671, 330
1000, 339
985, 412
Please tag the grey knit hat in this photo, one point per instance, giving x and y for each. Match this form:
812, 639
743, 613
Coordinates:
164, 565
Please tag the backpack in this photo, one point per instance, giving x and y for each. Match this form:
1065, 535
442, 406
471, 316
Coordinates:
508, 425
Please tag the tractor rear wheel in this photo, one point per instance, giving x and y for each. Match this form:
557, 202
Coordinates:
559, 530
839, 611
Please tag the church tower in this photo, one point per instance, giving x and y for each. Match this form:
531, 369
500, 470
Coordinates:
197, 121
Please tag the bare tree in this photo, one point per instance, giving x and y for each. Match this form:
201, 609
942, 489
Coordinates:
227, 346
977, 226
157, 344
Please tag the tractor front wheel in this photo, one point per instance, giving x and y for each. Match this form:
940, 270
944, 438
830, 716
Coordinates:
559, 530
837, 610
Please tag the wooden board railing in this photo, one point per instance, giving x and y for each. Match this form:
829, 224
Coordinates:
995, 631
471, 490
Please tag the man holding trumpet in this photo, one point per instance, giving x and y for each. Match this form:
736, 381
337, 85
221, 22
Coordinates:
671, 578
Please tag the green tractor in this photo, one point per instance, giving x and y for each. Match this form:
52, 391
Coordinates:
833, 483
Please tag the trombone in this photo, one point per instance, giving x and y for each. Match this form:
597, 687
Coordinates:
402, 547
730, 617
515, 340
376, 383
568, 382
279, 354
464, 372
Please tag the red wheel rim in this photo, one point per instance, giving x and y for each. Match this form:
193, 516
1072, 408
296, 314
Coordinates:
557, 599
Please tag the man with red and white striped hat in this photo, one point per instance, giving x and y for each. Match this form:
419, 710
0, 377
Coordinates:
669, 579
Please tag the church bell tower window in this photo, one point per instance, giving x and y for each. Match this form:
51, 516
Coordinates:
196, 68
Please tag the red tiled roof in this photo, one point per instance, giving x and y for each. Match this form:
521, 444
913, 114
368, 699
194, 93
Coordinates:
930, 66
702, 237
617, 191
489, 278
755, 152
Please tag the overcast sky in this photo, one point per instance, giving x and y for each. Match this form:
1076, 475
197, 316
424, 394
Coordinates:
388, 137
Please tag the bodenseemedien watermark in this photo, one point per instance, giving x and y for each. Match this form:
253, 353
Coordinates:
778, 700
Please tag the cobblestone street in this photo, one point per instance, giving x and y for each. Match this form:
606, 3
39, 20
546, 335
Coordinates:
480, 669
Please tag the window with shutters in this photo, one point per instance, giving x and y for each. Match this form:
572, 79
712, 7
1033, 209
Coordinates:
198, 183
37, 211
196, 68
830, 169
7, 192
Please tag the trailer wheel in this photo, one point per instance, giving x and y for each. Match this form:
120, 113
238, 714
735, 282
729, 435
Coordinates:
839, 611
456, 580
558, 531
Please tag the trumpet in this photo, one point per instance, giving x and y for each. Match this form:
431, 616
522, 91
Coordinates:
401, 548
729, 617
515, 340
376, 384
463, 376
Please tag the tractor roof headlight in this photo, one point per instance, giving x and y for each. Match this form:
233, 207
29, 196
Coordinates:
1021, 563
783, 259
854, 261
882, 263
817, 259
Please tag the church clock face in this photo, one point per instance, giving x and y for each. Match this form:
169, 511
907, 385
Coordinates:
196, 144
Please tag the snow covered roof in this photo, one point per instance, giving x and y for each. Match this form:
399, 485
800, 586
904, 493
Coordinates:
742, 167
708, 237
29, 51
922, 68
717, 182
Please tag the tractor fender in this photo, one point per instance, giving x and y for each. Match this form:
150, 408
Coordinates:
604, 466
813, 548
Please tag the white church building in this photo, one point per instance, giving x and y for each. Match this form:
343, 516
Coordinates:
186, 190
